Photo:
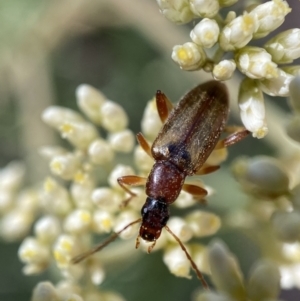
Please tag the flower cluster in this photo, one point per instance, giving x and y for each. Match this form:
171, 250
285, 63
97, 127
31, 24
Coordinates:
260, 65
82, 199
262, 283
274, 210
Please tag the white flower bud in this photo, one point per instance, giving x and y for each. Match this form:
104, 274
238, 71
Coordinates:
142, 160
47, 228
114, 118
55, 198
15, 225
270, 15
90, 100
64, 249
285, 47
278, 86
151, 123
256, 62
44, 291
177, 262
238, 33
65, 166
217, 157
28, 200
12, 176
55, 116
224, 70
185, 200
102, 221
49, 151
289, 276
34, 254
252, 108
106, 199
100, 152
78, 221
189, 56
122, 141
81, 194
119, 171
67, 286
177, 11
204, 8
125, 218
200, 257
203, 223
205, 33
180, 228
79, 134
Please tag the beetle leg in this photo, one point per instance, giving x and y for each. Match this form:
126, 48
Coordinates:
131, 181
233, 138
196, 191
144, 144
164, 106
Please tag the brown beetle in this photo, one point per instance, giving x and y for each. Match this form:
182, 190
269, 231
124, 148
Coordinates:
190, 133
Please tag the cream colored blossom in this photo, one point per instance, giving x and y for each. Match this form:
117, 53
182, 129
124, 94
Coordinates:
238, 33
189, 56
100, 152
114, 118
90, 100
224, 70
47, 228
177, 11
256, 62
278, 86
270, 15
285, 47
122, 141
205, 33
204, 8
177, 262
180, 228
252, 108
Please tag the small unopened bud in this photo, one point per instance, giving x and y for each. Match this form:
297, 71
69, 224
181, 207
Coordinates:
180, 228
100, 152
261, 175
102, 221
278, 86
123, 220
189, 56
264, 281
203, 223
78, 221
238, 33
224, 70
90, 100
11, 176
252, 108
176, 11
205, 33
225, 271
65, 166
44, 291
285, 47
177, 262
47, 228
205, 9
114, 118
119, 171
270, 15
256, 62
151, 122
122, 141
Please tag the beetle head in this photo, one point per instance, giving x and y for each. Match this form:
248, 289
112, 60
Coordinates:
155, 215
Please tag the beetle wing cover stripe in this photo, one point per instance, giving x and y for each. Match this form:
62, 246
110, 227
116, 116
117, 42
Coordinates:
193, 127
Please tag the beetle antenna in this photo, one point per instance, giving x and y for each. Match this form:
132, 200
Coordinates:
99, 247
194, 266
